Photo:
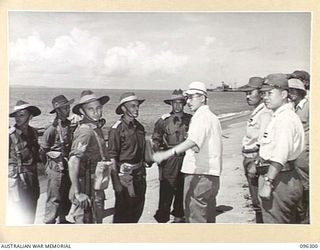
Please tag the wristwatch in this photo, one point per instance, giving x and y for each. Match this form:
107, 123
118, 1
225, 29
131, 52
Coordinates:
173, 152
268, 180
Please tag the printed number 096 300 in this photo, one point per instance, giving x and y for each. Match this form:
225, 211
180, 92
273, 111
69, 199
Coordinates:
308, 246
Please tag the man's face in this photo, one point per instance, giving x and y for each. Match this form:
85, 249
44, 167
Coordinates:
253, 97
63, 112
177, 106
294, 95
131, 109
194, 101
275, 98
21, 117
93, 110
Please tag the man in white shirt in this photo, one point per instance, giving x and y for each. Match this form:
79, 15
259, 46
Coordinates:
280, 188
202, 164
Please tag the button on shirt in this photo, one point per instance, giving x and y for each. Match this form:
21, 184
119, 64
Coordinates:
258, 122
205, 131
283, 139
127, 142
85, 145
171, 129
28, 148
52, 141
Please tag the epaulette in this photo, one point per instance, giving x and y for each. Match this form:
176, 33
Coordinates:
116, 124
165, 116
11, 130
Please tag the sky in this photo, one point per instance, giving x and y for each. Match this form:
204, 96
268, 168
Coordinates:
154, 50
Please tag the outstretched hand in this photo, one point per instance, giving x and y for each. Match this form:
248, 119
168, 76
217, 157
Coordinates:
158, 157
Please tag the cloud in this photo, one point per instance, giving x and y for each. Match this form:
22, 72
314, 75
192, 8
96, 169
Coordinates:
139, 59
69, 52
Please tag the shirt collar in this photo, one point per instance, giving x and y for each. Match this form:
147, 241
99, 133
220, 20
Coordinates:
283, 108
129, 124
203, 108
258, 108
301, 103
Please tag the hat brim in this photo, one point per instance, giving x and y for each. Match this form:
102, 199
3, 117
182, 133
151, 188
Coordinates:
269, 87
103, 100
65, 104
33, 110
194, 91
168, 101
119, 110
247, 88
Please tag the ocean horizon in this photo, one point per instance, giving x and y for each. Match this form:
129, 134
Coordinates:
222, 104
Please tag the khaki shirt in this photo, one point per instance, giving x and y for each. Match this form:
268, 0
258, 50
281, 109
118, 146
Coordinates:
302, 110
85, 146
283, 139
256, 125
205, 131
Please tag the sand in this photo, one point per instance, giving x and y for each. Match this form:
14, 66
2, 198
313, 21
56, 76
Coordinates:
233, 204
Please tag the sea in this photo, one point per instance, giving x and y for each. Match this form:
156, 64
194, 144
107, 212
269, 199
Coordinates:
223, 104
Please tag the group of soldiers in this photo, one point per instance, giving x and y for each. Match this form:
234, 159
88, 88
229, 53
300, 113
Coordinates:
276, 147
79, 162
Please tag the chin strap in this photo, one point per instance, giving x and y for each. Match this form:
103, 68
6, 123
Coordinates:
129, 113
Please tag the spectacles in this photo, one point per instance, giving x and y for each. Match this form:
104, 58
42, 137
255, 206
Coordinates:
191, 97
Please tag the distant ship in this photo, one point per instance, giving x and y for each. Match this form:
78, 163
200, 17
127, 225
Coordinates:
223, 88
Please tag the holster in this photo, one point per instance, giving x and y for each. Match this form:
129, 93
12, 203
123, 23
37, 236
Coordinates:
126, 176
102, 175
55, 161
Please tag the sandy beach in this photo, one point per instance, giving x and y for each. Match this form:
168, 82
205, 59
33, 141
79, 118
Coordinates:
233, 205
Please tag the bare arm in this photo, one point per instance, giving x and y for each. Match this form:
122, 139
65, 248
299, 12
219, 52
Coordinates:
180, 148
74, 166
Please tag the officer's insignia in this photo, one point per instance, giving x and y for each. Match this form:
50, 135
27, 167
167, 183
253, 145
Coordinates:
265, 135
82, 147
165, 116
12, 129
116, 124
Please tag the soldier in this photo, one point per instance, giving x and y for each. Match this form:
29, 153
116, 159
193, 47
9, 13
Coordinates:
202, 163
55, 149
303, 76
23, 158
297, 92
280, 188
88, 152
258, 121
126, 147
170, 130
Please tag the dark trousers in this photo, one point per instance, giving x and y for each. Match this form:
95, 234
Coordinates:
25, 209
168, 192
303, 209
200, 193
253, 189
93, 213
287, 193
171, 188
57, 203
129, 209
